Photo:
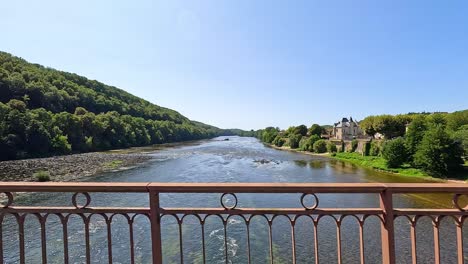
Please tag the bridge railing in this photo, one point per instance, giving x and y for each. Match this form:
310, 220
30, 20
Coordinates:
309, 199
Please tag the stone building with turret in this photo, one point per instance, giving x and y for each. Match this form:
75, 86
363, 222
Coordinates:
346, 129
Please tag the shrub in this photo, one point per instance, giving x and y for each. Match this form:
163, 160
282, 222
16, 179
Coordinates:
320, 146
42, 176
395, 152
354, 145
438, 154
307, 144
294, 141
331, 147
279, 141
375, 148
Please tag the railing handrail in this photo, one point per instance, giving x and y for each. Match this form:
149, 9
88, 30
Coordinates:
174, 187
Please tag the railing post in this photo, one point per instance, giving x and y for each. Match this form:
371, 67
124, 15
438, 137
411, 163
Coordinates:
155, 227
387, 229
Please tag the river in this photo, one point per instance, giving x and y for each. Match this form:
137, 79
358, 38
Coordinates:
235, 160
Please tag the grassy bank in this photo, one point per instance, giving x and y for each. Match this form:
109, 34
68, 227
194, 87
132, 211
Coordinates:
379, 163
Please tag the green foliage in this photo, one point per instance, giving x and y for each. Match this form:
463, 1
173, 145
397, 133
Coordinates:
279, 141
387, 125
294, 140
415, 133
395, 152
375, 148
354, 145
331, 147
320, 146
269, 134
113, 164
456, 120
45, 112
42, 176
300, 130
461, 136
315, 129
438, 154
307, 143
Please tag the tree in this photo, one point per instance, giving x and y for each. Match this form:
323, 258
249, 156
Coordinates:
300, 130
438, 154
415, 133
320, 146
457, 119
315, 129
395, 153
269, 134
367, 125
279, 141
461, 136
294, 140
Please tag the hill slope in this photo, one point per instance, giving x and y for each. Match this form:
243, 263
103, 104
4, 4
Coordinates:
46, 112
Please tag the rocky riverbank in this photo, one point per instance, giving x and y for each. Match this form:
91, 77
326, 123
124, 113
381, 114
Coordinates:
68, 168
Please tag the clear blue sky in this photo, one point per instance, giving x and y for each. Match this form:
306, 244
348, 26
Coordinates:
250, 64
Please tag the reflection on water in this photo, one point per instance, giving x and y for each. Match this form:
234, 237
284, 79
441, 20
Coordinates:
236, 160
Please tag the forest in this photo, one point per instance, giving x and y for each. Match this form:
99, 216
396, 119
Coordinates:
46, 112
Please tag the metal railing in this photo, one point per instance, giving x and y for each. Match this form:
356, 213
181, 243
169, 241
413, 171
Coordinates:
386, 213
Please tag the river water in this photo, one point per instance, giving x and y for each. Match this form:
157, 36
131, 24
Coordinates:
236, 160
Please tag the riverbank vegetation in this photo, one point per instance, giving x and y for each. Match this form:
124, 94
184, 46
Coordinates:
415, 144
45, 112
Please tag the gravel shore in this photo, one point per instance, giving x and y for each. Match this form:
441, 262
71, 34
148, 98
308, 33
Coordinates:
69, 167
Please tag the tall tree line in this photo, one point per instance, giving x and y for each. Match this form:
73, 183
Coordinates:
47, 112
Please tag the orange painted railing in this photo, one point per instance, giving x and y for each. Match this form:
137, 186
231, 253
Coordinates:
386, 213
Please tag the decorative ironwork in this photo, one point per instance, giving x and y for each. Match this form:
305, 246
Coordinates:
385, 213
9, 199
227, 207
455, 200
309, 207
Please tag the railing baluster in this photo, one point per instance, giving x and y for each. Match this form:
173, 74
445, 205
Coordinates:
460, 240
42, 221
21, 238
270, 223
132, 246
361, 241
181, 243
87, 240
64, 221
414, 252
387, 228
155, 227
316, 245
225, 240
248, 240
338, 241
293, 241
109, 239
203, 240
436, 241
